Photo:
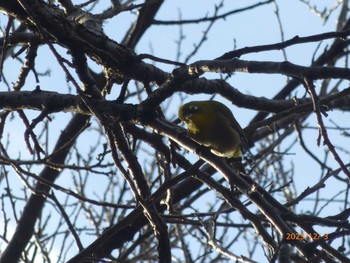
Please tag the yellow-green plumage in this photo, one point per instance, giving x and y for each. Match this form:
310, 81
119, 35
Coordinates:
212, 124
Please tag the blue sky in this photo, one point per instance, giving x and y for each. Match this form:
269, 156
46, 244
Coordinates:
256, 27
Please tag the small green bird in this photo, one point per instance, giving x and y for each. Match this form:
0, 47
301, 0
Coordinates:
212, 124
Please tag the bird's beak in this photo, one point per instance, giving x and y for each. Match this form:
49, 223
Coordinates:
177, 121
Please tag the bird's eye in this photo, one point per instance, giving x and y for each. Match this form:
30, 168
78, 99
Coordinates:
193, 108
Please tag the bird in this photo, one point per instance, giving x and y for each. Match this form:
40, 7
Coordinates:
212, 124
